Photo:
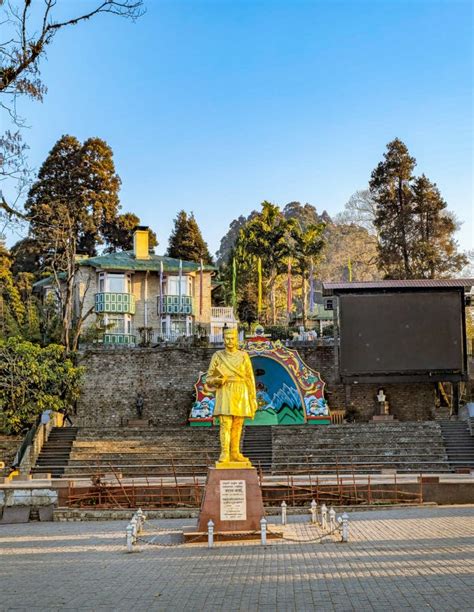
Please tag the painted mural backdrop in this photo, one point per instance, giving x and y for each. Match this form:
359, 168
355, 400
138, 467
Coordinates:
288, 391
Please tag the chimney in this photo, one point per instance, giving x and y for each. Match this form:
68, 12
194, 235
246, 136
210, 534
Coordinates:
141, 242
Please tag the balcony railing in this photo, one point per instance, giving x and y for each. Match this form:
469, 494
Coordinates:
108, 302
223, 313
175, 304
120, 339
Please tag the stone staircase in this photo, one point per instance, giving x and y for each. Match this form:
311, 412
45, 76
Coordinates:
362, 447
188, 451
180, 451
459, 444
257, 446
54, 455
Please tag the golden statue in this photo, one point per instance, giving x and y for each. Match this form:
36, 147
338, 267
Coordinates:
230, 373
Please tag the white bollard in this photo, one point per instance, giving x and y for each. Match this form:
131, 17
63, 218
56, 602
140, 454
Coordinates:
129, 532
210, 533
133, 523
324, 516
283, 513
345, 527
263, 530
140, 520
314, 512
332, 519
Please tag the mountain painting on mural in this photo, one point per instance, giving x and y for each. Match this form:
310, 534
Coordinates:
289, 392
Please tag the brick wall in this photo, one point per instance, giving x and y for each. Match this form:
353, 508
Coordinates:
165, 377
408, 402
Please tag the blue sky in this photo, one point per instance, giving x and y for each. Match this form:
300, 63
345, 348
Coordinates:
215, 106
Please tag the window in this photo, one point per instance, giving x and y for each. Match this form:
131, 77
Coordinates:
118, 324
173, 328
115, 282
173, 285
328, 304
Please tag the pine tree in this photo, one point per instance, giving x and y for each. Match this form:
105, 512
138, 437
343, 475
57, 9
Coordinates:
414, 228
390, 187
435, 253
78, 181
69, 208
186, 241
119, 233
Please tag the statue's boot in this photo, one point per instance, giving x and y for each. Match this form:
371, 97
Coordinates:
225, 437
236, 434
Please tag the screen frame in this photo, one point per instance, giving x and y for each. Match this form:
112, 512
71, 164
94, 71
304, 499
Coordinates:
419, 375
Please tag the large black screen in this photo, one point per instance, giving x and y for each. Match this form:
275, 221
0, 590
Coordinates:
401, 333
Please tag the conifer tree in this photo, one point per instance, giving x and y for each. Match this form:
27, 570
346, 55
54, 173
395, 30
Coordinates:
70, 206
436, 252
186, 241
414, 229
119, 233
390, 186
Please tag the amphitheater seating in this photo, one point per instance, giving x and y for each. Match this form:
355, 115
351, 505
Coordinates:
362, 447
182, 451
185, 451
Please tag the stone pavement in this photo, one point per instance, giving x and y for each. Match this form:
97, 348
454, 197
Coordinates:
405, 559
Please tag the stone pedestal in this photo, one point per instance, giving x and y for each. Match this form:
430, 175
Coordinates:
382, 418
138, 423
233, 500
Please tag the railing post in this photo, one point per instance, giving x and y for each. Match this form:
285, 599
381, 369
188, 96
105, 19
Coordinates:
283, 512
314, 512
129, 534
324, 516
345, 527
332, 519
210, 533
263, 530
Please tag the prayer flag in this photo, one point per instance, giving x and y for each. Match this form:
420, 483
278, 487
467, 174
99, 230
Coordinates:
201, 272
161, 288
289, 293
234, 284
259, 301
311, 288
179, 283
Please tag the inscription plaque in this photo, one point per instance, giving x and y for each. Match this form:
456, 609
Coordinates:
233, 500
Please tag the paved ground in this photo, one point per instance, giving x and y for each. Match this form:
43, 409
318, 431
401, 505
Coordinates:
409, 559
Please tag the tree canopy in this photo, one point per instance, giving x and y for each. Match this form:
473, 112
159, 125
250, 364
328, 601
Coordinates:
28, 30
414, 228
186, 241
33, 379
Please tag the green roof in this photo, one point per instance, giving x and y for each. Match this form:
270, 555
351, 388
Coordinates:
48, 280
125, 260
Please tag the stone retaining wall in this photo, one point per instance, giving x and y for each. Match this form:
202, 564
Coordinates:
165, 378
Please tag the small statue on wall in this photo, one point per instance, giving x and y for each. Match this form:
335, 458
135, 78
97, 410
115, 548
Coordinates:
384, 408
139, 405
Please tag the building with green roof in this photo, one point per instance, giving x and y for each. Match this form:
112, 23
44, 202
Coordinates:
135, 296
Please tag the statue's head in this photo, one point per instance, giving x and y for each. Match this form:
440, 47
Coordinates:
231, 338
